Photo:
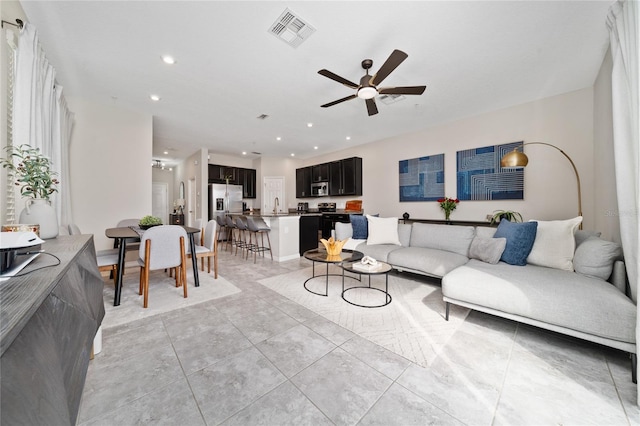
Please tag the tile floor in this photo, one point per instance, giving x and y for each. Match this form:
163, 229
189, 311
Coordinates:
258, 358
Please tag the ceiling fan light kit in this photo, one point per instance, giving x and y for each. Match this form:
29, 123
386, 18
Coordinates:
367, 89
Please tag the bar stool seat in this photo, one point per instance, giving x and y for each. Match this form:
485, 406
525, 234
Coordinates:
257, 226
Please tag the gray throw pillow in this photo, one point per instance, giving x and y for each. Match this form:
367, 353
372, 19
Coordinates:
488, 250
594, 257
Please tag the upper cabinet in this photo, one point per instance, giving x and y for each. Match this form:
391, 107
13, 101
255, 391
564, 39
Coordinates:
320, 172
235, 176
345, 177
303, 182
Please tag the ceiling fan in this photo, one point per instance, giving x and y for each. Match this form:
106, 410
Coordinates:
368, 87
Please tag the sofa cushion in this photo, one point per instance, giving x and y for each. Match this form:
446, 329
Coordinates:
595, 257
343, 231
581, 236
487, 249
404, 234
552, 296
383, 230
520, 237
555, 243
429, 261
485, 231
377, 251
452, 238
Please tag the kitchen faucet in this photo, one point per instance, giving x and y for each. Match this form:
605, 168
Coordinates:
276, 204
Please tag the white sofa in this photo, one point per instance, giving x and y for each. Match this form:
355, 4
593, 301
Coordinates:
590, 304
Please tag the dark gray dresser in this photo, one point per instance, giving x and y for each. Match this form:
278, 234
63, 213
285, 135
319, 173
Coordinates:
48, 320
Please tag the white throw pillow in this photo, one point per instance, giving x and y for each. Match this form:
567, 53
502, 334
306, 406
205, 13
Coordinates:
555, 244
383, 230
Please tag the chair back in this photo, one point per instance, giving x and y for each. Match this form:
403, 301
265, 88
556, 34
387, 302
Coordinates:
210, 235
198, 235
260, 224
128, 222
229, 222
165, 246
73, 229
241, 222
221, 221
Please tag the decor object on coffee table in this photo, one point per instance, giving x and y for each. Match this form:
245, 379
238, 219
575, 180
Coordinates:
519, 160
32, 172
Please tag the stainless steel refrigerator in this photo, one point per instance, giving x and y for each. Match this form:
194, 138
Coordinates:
224, 199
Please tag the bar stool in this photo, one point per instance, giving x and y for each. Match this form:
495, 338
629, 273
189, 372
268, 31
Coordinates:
230, 226
241, 241
222, 227
258, 226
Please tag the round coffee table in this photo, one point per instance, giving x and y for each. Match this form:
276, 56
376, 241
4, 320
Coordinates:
321, 256
382, 269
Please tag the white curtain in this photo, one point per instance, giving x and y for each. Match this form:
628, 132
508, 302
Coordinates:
40, 114
623, 21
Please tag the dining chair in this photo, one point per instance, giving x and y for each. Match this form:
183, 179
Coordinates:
209, 247
162, 247
198, 237
107, 259
132, 243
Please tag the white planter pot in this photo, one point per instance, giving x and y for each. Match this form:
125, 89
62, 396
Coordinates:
39, 211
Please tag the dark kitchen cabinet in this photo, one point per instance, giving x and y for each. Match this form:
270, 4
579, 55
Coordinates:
247, 178
345, 177
220, 174
309, 232
236, 176
320, 172
303, 182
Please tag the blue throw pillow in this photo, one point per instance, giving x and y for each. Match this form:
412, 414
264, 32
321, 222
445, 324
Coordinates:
360, 226
520, 238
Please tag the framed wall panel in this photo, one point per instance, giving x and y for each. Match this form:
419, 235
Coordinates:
422, 179
480, 177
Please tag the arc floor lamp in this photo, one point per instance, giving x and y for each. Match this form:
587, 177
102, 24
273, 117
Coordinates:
518, 160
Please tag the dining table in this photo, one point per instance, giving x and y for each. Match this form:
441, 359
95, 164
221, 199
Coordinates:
123, 233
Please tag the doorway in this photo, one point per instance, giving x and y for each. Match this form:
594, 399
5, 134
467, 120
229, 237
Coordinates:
273, 189
191, 202
160, 201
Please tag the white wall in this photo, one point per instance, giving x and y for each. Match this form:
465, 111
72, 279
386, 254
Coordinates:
111, 151
606, 205
195, 167
550, 185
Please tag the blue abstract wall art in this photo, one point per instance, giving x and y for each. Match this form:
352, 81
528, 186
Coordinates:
422, 179
480, 177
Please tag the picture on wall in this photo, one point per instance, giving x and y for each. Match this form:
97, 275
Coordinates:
422, 179
480, 177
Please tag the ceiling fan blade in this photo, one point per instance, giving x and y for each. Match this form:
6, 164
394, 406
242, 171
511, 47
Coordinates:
348, 98
408, 90
395, 59
372, 109
337, 78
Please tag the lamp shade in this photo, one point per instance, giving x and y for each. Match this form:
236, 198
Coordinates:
514, 160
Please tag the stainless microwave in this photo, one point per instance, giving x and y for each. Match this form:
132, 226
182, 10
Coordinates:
320, 189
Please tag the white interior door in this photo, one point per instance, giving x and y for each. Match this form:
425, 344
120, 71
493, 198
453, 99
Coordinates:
191, 202
160, 201
273, 189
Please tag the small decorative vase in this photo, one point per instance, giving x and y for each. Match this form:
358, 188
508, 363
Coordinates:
39, 211
447, 213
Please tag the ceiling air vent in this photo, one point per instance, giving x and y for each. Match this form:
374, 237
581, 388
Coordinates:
391, 99
291, 29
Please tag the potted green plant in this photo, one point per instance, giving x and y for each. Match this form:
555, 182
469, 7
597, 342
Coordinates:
509, 215
31, 171
149, 221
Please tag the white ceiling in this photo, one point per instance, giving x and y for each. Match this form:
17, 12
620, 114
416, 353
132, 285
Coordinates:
473, 57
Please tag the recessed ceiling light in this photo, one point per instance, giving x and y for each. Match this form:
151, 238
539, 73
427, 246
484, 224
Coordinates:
166, 152
278, 138
244, 152
348, 138
292, 154
309, 124
168, 59
315, 147
155, 98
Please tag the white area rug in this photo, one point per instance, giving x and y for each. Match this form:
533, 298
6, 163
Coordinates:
412, 325
164, 296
